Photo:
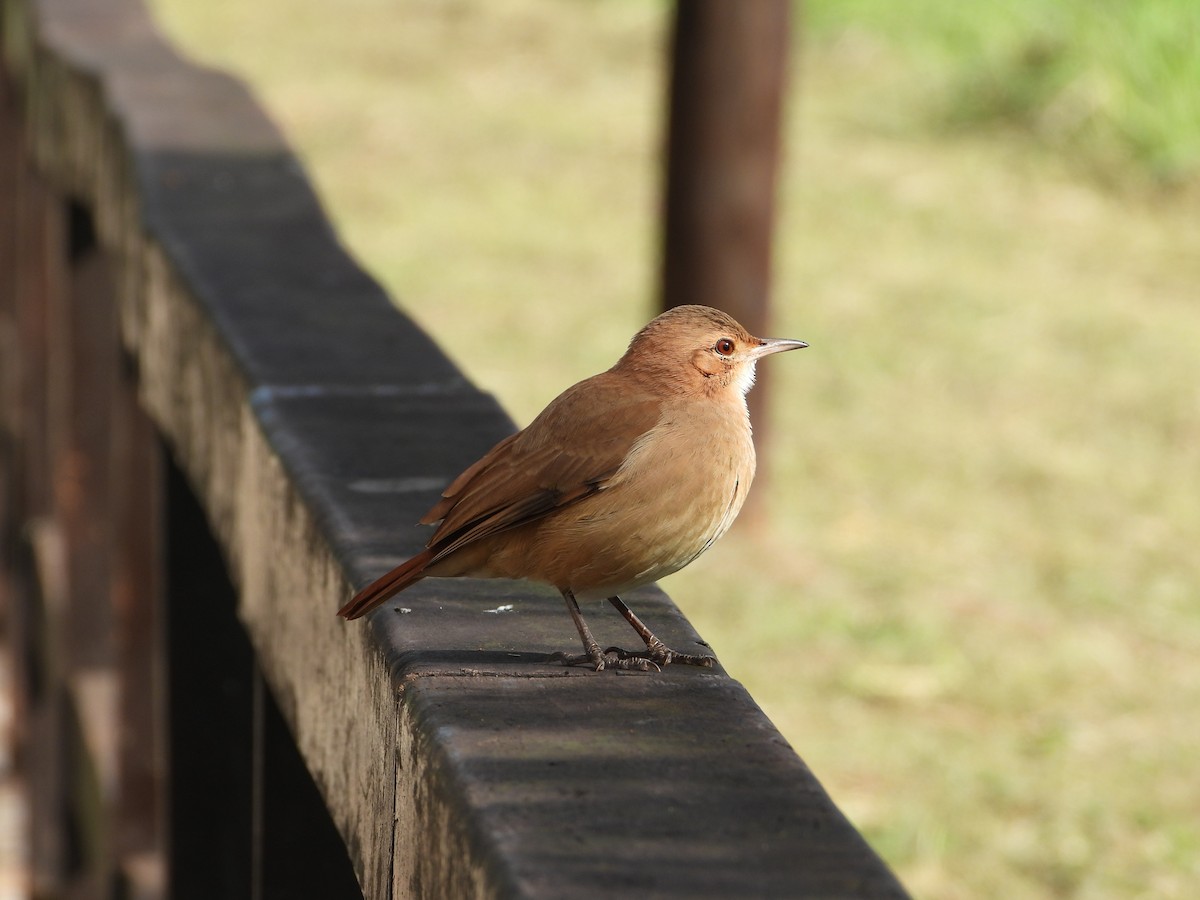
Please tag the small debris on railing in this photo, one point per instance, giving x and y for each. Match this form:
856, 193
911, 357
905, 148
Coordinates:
403, 610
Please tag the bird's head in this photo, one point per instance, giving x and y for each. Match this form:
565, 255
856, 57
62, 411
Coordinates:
699, 349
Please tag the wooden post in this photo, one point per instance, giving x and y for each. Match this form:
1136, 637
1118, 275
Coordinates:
729, 63
140, 809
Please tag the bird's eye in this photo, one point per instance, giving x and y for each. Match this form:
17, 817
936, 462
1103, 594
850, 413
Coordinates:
724, 346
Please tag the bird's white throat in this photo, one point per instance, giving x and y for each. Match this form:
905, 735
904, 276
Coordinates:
744, 380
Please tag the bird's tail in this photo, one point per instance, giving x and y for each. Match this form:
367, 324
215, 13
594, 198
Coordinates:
378, 591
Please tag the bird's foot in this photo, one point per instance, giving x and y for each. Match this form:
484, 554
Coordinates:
656, 651
661, 655
613, 658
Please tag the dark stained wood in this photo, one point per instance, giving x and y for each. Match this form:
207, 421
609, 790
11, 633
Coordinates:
140, 807
84, 374
726, 96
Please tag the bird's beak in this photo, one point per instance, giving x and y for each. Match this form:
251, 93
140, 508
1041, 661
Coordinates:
767, 346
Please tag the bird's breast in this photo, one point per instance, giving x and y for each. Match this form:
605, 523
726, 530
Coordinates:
678, 490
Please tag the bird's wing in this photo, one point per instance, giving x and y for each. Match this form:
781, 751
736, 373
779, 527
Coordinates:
566, 454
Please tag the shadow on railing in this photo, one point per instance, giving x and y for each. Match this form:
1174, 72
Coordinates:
211, 432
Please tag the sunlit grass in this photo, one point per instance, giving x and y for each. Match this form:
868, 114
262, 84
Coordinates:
1111, 82
974, 606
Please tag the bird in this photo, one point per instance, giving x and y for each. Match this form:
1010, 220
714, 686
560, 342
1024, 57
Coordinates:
623, 479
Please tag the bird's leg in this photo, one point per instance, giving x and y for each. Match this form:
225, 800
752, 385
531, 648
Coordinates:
593, 655
656, 651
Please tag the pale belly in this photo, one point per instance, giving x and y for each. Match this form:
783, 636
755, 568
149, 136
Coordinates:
671, 501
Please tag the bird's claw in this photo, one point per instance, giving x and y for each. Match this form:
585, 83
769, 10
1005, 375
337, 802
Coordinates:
613, 658
662, 655
649, 660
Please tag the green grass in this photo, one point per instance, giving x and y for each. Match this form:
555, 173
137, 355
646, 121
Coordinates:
1113, 83
974, 604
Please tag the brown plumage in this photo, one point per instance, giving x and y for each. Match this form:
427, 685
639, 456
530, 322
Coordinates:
623, 479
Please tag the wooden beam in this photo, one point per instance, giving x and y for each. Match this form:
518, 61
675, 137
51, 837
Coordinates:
728, 75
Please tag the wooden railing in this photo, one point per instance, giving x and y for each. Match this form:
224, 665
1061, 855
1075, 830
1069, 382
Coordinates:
213, 426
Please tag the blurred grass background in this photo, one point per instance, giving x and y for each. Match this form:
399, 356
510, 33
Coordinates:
975, 605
